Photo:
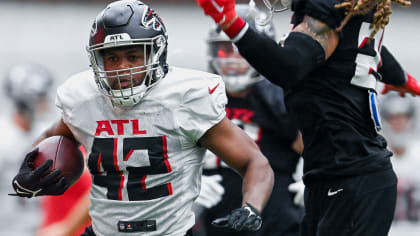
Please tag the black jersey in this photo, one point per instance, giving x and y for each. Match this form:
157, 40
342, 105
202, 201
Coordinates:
262, 115
356, 59
334, 106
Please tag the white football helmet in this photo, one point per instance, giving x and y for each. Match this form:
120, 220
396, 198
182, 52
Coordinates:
28, 85
399, 116
223, 57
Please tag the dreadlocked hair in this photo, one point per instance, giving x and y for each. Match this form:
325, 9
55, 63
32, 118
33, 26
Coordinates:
362, 7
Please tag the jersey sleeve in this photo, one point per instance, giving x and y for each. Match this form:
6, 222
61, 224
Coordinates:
391, 70
72, 93
203, 107
64, 102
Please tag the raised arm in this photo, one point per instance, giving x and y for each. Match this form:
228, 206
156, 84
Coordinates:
394, 76
309, 44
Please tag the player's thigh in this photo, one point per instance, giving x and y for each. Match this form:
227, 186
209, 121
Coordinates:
375, 213
368, 215
364, 207
314, 195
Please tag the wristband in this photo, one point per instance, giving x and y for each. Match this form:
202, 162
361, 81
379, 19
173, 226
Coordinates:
236, 27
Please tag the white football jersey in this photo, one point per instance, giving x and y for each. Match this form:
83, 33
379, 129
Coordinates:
145, 160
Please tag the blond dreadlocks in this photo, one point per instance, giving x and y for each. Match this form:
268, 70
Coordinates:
362, 7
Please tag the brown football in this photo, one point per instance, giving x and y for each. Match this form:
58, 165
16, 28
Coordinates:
65, 154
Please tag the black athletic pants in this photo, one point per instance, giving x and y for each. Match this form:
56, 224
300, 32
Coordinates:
354, 206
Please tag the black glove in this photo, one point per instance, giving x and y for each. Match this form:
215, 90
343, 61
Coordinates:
246, 218
31, 182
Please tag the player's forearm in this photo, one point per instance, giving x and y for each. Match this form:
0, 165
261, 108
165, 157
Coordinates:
391, 71
47, 133
258, 183
57, 129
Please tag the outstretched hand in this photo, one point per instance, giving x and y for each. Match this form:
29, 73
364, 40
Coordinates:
412, 87
222, 11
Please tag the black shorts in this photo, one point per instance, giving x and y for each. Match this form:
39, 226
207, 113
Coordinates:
353, 206
89, 232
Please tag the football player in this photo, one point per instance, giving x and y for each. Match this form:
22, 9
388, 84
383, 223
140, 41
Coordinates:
27, 86
146, 127
328, 66
400, 131
257, 106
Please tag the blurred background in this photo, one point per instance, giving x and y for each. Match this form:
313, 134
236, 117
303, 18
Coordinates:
55, 33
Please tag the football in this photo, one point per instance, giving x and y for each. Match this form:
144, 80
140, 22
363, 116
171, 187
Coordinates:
65, 154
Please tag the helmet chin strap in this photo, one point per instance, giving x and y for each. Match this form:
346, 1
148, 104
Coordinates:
239, 83
128, 101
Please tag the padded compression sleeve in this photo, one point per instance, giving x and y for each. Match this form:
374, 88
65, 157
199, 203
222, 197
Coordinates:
282, 65
391, 71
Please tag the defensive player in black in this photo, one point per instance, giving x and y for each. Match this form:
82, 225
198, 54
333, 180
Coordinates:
257, 106
328, 66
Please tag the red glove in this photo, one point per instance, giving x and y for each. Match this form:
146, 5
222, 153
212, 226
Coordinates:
223, 13
412, 86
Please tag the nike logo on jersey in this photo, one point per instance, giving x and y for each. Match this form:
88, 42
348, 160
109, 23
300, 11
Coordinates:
218, 8
332, 193
213, 89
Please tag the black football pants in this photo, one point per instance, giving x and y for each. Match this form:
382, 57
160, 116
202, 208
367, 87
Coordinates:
354, 206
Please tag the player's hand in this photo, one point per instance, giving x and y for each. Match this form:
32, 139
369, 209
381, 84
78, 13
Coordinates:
222, 11
31, 182
211, 191
412, 87
246, 218
299, 189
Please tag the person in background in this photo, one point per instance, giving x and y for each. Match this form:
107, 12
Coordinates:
256, 106
146, 127
27, 87
400, 130
328, 66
